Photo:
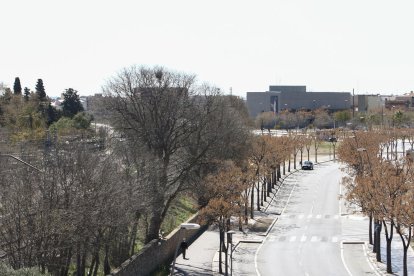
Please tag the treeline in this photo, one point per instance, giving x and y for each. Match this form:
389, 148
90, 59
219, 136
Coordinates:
381, 183
30, 114
324, 118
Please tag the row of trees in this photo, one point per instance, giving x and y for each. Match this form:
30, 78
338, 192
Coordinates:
324, 118
381, 183
236, 189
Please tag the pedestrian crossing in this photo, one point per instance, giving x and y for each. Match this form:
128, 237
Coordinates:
308, 216
303, 238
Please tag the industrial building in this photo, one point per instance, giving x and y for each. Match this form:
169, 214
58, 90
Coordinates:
293, 98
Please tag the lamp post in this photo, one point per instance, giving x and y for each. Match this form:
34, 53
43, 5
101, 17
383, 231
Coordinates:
183, 227
333, 140
230, 241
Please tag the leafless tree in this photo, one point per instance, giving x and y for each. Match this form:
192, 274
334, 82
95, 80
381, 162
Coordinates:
176, 121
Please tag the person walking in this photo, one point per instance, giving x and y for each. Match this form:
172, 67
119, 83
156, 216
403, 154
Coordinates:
184, 246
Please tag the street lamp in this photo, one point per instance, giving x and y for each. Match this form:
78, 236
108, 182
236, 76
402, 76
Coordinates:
333, 140
183, 226
230, 240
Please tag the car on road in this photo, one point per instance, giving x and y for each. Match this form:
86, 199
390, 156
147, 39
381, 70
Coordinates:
307, 165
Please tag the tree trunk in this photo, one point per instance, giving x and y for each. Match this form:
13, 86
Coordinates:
79, 270
95, 271
226, 263
406, 244
258, 196
154, 224
246, 211
269, 184
134, 234
240, 216
262, 195
279, 174
370, 229
389, 241
107, 267
220, 251
289, 163
252, 202
378, 227
294, 161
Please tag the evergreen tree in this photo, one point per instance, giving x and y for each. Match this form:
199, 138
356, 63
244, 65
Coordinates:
40, 91
26, 94
71, 103
52, 115
17, 88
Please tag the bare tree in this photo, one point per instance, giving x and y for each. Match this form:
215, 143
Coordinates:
175, 121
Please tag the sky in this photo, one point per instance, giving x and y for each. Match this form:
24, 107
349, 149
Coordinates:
327, 45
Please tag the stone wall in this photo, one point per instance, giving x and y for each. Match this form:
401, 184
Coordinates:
157, 253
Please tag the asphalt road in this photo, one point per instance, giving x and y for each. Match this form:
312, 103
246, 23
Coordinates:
307, 238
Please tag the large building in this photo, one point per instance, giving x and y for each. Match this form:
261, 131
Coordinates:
295, 98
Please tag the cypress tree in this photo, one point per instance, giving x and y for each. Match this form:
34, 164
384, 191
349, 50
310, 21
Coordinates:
52, 115
40, 91
26, 94
17, 88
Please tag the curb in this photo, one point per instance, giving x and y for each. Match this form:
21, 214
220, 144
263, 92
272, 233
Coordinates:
269, 228
373, 265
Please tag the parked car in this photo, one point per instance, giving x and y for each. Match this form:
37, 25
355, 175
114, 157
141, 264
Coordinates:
307, 165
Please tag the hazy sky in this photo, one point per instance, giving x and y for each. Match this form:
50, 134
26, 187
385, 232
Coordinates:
327, 45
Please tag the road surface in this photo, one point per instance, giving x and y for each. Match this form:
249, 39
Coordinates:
309, 236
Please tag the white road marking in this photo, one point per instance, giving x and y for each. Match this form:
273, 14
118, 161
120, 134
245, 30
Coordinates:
292, 239
343, 260
301, 216
264, 240
318, 216
334, 239
303, 238
309, 216
314, 239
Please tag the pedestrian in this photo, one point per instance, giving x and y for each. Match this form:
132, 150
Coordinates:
184, 246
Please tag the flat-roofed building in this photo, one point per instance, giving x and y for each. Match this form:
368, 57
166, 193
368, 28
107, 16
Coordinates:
295, 98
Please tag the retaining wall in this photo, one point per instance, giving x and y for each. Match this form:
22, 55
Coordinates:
156, 253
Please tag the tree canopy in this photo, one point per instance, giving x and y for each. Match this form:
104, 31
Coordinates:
71, 103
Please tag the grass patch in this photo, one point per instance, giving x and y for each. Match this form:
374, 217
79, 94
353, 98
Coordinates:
181, 209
